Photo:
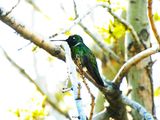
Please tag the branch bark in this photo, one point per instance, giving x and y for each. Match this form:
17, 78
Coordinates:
133, 61
139, 108
138, 77
104, 115
150, 15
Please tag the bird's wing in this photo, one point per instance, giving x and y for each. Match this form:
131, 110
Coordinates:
89, 61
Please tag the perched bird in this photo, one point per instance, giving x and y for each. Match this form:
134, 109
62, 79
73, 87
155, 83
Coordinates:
83, 57
81, 52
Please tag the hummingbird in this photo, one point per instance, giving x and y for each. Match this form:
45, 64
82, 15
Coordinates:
83, 57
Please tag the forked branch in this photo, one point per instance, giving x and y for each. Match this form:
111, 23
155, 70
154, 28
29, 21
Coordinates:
133, 61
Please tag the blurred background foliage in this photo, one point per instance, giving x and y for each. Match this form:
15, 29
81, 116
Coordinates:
20, 99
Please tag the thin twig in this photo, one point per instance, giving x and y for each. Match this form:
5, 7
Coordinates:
92, 99
75, 9
132, 61
26, 75
75, 22
91, 94
36, 8
150, 15
7, 13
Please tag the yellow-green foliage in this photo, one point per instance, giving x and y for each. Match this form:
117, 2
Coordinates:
34, 48
157, 92
103, 0
112, 32
32, 110
61, 99
156, 17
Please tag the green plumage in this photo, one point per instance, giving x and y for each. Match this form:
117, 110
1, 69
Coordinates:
81, 52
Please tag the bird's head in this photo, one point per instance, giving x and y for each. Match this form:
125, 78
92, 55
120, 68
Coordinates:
74, 40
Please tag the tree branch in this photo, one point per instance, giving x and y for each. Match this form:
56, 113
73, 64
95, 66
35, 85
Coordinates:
27, 34
150, 15
26, 75
132, 61
139, 108
75, 84
134, 105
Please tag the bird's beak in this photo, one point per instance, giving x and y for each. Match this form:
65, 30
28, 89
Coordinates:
59, 40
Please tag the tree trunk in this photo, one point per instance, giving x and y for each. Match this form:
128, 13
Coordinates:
139, 76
